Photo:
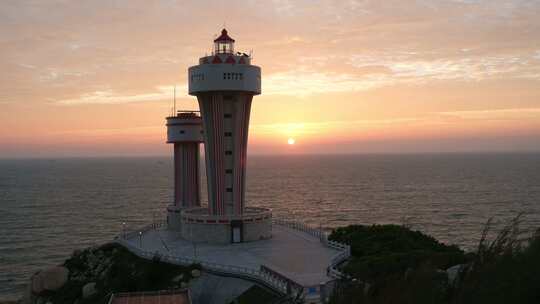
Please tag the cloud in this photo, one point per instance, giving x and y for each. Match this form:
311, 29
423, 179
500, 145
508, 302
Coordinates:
496, 114
304, 83
434, 118
158, 129
441, 66
435, 61
314, 75
110, 97
306, 128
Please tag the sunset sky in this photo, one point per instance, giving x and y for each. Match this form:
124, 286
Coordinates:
96, 78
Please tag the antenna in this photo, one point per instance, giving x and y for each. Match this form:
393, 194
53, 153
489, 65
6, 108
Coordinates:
174, 108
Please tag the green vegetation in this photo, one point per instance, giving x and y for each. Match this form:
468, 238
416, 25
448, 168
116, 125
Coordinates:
114, 269
382, 250
394, 265
503, 270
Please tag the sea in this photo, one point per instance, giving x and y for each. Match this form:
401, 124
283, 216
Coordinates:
51, 207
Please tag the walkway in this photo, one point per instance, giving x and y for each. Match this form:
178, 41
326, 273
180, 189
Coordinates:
299, 256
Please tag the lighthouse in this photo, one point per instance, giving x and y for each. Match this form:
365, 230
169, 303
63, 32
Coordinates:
184, 131
227, 235
225, 83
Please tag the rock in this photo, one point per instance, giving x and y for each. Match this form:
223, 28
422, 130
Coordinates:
89, 290
453, 273
50, 279
55, 278
178, 278
195, 273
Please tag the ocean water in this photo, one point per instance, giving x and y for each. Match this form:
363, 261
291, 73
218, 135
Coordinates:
48, 208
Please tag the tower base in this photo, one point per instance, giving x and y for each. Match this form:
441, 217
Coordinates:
198, 226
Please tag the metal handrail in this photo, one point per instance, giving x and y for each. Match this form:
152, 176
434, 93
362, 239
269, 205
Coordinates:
345, 250
300, 226
253, 212
274, 282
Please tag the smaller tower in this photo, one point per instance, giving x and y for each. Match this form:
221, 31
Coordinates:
184, 131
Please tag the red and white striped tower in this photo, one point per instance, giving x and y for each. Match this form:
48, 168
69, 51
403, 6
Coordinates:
224, 84
185, 131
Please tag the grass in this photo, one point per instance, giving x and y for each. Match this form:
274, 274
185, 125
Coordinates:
503, 270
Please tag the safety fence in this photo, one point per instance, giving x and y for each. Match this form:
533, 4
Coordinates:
274, 282
318, 233
344, 249
264, 275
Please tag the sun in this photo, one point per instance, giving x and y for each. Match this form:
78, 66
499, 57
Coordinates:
291, 141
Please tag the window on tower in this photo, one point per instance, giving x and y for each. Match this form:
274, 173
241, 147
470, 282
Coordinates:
228, 134
228, 152
197, 77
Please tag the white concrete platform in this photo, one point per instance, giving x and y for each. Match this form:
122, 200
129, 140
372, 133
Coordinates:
299, 256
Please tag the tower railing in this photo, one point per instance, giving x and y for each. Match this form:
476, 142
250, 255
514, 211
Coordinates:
264, 275
344, 249
250, 213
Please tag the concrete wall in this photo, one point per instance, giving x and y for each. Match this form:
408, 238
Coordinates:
213, 78
206, 233
221, 233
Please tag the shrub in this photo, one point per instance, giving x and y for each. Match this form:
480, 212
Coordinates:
380, 250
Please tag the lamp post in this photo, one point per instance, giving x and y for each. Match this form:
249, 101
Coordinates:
193, 242
140, 239
124, 230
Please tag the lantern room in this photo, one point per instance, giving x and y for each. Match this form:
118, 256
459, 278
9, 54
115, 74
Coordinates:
224, 44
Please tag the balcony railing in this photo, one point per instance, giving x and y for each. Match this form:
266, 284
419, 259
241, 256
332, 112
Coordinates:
274, 281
